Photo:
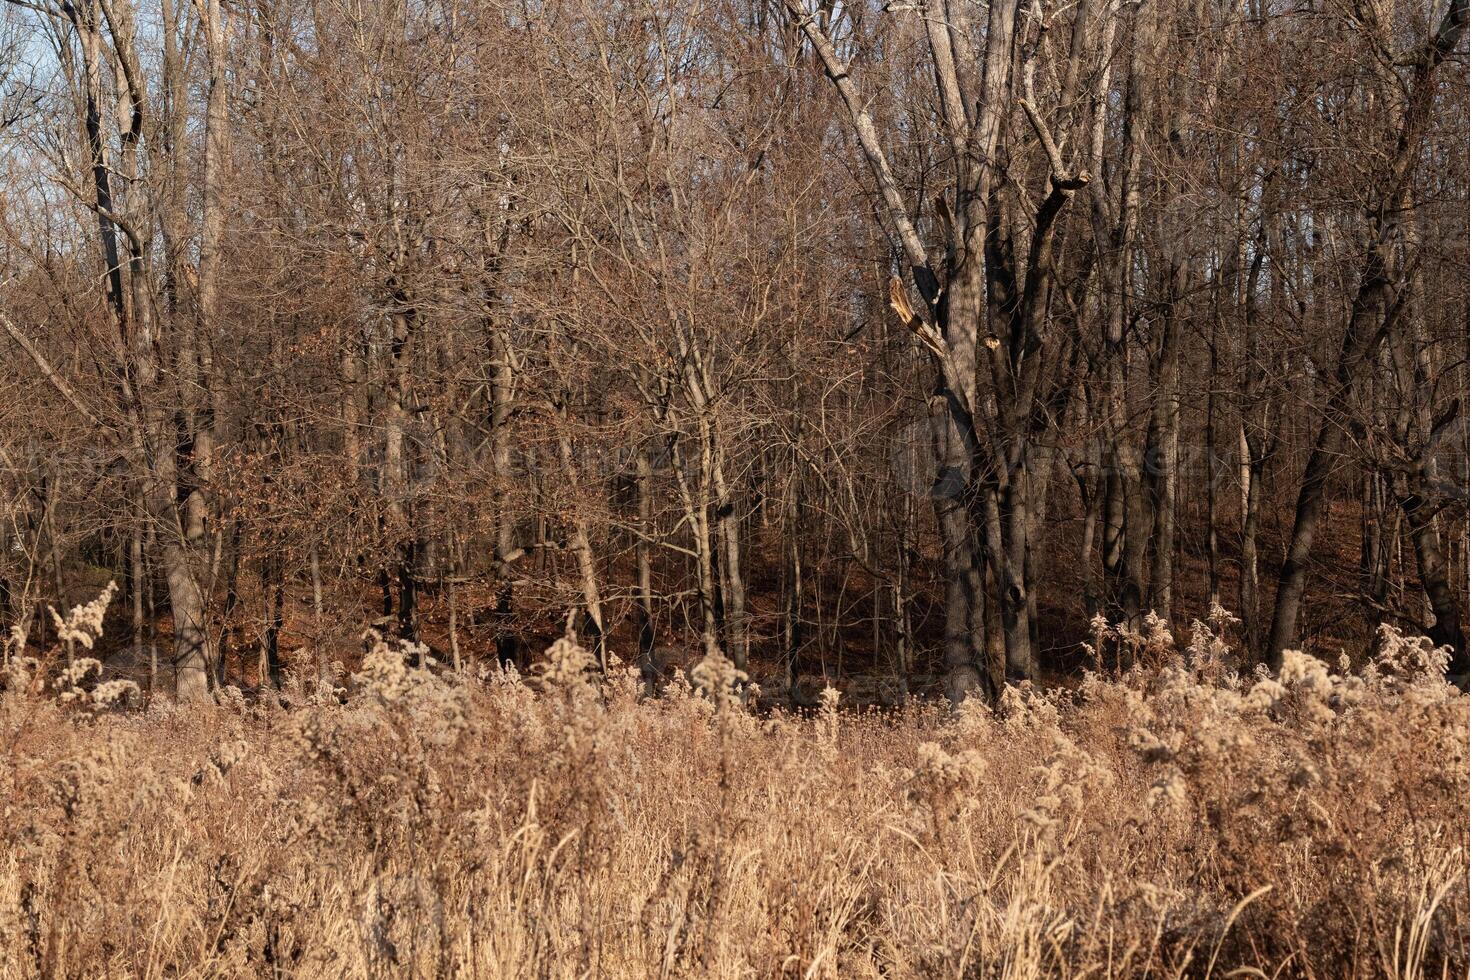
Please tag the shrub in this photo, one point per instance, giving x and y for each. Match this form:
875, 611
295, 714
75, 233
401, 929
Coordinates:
1182, 819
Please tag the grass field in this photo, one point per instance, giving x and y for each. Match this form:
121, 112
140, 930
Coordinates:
1171, 820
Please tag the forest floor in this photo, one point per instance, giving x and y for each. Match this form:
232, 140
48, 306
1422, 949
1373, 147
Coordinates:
840, 646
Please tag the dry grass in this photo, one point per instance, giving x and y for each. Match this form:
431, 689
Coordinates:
1171, 821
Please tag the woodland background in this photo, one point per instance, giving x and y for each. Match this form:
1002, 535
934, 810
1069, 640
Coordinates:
895, 343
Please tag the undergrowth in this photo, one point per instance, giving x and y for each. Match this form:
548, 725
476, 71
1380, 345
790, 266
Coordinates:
1178, 818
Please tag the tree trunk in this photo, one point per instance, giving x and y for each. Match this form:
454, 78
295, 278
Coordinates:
318, 621
1434, 574
216, 164
1362, 337
1373, 310
1163, 455
647, 633
580, 542
728, 520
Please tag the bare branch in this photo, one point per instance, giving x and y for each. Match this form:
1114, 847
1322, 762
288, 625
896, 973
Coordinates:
867, 133
47, 371
1059, 176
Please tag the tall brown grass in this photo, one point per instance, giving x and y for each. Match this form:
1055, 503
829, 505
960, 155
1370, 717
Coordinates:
1166, 821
